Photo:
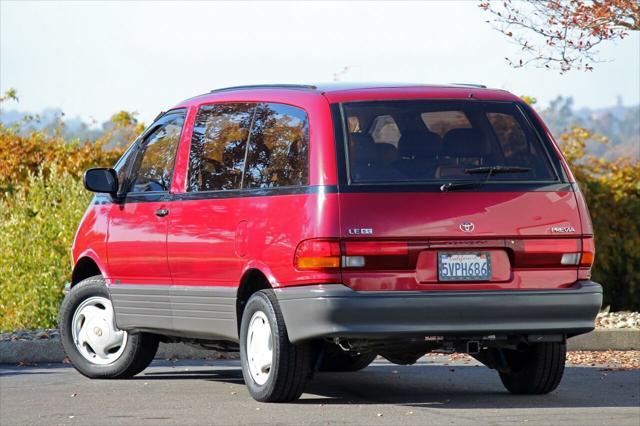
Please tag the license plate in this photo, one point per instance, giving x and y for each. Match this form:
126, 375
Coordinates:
465, 266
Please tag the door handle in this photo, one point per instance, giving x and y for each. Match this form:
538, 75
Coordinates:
162, 212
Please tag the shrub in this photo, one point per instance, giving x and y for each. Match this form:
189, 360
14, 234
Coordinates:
22, 154
612, 191
37, 224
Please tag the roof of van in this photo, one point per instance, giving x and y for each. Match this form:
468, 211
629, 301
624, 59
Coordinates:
339, 86
342, 92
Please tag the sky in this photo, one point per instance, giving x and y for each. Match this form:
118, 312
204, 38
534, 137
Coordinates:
91, 59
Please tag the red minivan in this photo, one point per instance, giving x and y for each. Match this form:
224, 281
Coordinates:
317, 227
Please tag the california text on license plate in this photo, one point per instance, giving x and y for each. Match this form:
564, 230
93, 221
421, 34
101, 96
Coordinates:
465, 266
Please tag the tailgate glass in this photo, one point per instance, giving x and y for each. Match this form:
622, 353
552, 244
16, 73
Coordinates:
443, 141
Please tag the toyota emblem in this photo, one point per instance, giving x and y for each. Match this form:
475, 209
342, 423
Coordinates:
467, 226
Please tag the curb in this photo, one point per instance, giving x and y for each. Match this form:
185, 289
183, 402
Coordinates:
606, 339
50, 351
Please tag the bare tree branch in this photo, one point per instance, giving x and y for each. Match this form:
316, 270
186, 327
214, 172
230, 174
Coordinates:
562, 34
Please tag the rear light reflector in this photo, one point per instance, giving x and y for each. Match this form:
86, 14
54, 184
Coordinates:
551, 246
570, 259
375, 248
353, 261
375, 254
317, 254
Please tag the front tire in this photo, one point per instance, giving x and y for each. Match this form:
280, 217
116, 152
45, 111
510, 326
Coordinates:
536, 371
91, 339
274, 369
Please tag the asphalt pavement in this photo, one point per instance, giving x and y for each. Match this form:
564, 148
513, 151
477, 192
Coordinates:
433, 392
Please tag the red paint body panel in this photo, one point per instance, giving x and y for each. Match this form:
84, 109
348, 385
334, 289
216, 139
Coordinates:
137, 244
214, 241
90, 240
438, 215
501, 219
203, 237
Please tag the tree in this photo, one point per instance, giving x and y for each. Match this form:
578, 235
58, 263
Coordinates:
25, 152
561, 34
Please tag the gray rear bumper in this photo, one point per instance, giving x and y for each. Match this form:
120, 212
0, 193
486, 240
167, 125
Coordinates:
335, 310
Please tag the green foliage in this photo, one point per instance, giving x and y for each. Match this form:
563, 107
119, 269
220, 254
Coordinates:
37, 224
11, 94
21, 155
612, 191
42, 200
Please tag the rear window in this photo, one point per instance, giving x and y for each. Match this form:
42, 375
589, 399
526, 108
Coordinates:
443, 141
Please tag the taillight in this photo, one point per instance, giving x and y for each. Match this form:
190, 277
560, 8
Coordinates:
317, 254
588, 252
323, 254
376, 254
550, 252
586, 258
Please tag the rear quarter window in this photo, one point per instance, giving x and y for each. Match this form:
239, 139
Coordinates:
218, 144
278, 147
248, 145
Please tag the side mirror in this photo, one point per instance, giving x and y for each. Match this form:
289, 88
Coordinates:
101, 180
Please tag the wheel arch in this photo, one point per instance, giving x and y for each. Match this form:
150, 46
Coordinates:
86, 266
253, 280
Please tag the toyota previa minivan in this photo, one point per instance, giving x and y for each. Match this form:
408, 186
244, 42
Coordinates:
314, 228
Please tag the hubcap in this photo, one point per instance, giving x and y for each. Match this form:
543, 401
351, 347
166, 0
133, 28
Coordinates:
259, 348
95, 333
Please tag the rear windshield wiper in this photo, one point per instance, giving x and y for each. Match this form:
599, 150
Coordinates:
494, 170
488, 170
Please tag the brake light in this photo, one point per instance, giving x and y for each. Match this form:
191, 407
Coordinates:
317, 254
549, 252
588, 252
375, 248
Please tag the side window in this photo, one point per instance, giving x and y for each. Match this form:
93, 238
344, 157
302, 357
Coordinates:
278, 148
218, 146
124, 164
154, 162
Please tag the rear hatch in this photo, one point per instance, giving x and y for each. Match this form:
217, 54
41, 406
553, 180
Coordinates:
454, 195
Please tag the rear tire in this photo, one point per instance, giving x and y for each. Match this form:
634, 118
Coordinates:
274, 369
335, 359
133, 355
535, 371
